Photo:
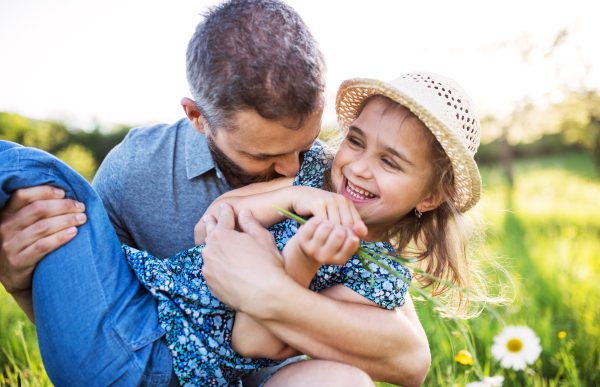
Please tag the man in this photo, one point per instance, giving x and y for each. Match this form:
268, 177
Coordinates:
257, 79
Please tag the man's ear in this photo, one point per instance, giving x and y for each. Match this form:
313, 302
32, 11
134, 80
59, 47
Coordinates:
194, 115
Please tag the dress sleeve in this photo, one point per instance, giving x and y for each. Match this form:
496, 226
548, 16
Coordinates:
385, 289
316, 161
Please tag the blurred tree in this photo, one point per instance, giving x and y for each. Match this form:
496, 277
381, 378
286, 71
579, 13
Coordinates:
46, 135
80, 159
99, 141
83, 151
577, 118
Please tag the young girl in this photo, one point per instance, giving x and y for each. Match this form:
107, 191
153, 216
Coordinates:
405, 167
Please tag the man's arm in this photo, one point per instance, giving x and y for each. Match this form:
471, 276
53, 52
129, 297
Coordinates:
318, 240
390, 346
33, 223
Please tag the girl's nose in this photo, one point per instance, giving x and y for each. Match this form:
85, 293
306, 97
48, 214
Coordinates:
361, 167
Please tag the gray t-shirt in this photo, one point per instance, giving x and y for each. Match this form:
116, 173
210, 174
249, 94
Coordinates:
156, 185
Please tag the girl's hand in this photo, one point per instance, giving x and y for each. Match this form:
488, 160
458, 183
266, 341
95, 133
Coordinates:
333, 207
327, 243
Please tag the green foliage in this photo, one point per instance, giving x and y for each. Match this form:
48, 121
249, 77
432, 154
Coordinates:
573, 123
45, 135
83, 151
80, 159
579, 121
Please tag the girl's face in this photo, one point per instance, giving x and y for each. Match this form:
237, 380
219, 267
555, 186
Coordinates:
384, 165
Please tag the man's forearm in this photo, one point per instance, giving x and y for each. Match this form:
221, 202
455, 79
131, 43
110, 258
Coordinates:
389, 345
24, 299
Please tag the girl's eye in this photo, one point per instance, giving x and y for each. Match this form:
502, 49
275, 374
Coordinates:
354, 141
391, 164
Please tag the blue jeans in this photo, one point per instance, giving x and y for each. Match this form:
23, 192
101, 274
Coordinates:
96, 324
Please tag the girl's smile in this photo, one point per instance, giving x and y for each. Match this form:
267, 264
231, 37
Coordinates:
357, 194
384, 165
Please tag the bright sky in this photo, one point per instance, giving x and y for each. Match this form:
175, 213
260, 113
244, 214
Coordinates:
123, 61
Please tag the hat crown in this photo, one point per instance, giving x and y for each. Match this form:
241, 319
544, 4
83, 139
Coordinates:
446, 101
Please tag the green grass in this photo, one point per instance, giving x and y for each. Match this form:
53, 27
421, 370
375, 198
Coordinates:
18, 347
547, 229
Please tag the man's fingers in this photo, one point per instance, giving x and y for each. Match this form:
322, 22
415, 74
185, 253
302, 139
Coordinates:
43, 228
249, 224
27, 259
209, 223
41, 209
226, 217
22, 197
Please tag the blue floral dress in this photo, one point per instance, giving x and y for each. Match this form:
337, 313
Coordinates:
198, 326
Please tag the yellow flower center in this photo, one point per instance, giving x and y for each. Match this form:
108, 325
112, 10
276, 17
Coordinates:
514, 345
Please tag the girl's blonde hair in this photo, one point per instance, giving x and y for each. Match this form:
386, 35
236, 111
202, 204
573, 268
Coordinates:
445, 241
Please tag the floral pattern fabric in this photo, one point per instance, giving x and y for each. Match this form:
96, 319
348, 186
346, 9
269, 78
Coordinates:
198, 326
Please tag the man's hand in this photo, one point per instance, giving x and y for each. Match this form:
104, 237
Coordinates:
236, 263
34, 222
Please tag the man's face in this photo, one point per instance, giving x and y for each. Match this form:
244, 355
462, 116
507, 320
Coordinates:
258, 149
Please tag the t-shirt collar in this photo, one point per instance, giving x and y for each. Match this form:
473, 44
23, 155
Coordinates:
198, 159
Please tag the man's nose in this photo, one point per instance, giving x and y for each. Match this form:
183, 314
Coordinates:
288, 165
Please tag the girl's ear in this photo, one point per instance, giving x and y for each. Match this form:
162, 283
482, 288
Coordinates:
431, 202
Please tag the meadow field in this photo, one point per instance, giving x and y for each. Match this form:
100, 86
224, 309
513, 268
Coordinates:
546, 231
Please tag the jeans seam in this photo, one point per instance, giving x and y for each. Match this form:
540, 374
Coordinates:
125, 347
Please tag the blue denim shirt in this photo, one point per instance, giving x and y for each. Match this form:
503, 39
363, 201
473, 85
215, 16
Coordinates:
157, 184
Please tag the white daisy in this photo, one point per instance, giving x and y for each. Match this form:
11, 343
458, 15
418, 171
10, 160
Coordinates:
488, 382
516, 346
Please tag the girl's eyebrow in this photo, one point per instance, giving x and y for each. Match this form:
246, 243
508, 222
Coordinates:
387, 148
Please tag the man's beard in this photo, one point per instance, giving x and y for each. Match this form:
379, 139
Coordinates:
229, 167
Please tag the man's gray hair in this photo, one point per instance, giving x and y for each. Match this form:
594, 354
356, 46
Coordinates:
254, 54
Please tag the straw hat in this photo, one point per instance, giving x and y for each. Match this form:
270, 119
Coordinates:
442, 105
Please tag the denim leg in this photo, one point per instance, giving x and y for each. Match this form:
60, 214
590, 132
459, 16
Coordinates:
96, 324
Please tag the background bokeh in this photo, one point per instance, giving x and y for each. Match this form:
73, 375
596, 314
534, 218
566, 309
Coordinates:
76, 76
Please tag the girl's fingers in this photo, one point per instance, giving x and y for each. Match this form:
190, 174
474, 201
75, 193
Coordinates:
346, 218
319, 237
306, 232
331, 246
333, 213
349, 247
319, 212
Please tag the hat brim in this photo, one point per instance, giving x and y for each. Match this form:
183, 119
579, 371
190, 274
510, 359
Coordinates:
353, 92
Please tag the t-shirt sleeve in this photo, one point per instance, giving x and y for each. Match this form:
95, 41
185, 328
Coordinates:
385, 289
109, 183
